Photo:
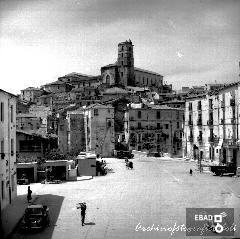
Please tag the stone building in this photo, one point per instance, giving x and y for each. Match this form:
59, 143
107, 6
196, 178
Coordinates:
8, 182
57, 87
31, 94
28, 122
75, 131
212, 125
154, 128
123, 73
99, 129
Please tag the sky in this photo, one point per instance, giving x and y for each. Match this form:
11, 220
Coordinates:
189, 42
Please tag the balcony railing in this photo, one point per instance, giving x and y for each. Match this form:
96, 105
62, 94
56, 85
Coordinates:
190, 122
210, 122
199, 138
230, 142
190, 138
211, 139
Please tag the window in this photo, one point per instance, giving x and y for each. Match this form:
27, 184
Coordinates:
108, 79
166, 126
158, 126
2, 111
158, 114
12, 147
122, 63
3, 189
177, 125
121, 74
2, 146
139, 114
139, 125
95, 112
12, 180
11, 109
210, 103
139, 138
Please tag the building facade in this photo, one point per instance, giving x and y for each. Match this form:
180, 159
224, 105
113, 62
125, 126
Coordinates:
7, 148
99, 129
154, 128
212, 125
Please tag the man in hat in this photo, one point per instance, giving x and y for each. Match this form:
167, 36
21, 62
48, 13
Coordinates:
83, 208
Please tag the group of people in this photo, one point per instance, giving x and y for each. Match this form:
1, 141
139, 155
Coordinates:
129, 164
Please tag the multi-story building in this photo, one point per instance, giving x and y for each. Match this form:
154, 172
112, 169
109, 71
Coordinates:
31, 94
212, 125
8, 182
75, 131
28, 122
154, 128
99, 129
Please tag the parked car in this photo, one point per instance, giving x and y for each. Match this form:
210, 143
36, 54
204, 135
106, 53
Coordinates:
36, 217
124, 154
23, 180
229, 168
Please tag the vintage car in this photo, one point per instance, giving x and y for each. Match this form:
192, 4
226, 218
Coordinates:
36, 217
121, 154
23, 180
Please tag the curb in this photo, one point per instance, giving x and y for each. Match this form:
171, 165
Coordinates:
19, 221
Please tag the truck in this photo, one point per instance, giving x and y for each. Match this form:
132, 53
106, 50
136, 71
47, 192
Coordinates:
220, 170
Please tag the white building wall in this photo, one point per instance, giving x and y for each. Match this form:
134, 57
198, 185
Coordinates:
8, 183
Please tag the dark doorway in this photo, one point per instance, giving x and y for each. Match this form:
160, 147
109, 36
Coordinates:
224, 159
29, 172
234, 159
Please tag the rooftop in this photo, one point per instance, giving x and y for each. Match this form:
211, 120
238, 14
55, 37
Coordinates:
146, 71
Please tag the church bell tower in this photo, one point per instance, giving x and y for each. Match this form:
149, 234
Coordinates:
125, 63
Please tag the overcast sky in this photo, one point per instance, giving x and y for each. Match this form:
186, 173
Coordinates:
189, 42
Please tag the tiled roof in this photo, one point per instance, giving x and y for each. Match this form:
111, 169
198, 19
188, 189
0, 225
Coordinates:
115, 90
109, 65
5, 92
22, 115
146, 71
75, 74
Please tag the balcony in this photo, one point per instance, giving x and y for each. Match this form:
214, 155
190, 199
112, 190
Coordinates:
233, 121
199, 139
232, 102
230, 142
210, 122
216, 139
190, 138
211, 139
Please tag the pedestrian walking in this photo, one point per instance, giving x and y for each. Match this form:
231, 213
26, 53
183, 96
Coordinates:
83, 208
190, 171
29, 194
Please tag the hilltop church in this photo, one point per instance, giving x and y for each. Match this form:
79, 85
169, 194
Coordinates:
123, 73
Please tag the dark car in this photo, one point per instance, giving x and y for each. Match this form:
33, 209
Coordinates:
36, 217
124, 154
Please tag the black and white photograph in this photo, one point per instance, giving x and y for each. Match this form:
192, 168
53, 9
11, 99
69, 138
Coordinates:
119, 119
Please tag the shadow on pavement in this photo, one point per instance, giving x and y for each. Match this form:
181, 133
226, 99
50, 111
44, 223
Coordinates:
89, 223
54, 202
